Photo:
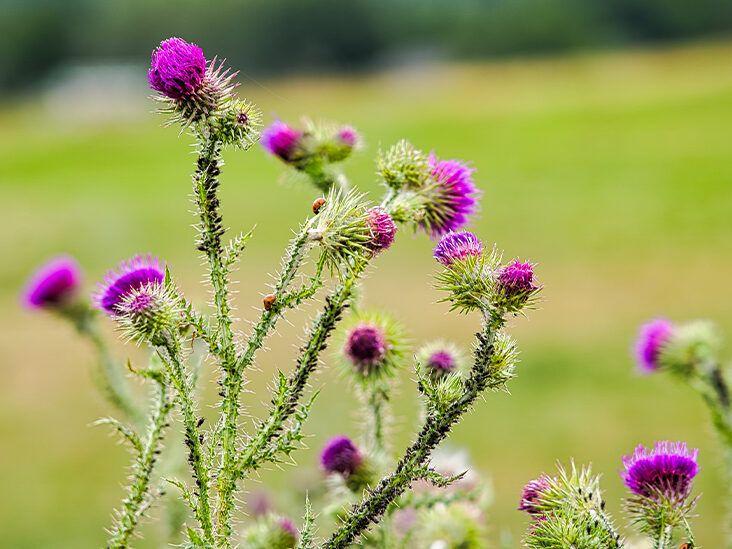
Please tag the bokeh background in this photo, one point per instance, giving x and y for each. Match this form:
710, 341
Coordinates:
601, 134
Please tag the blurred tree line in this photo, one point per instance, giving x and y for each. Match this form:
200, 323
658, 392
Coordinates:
270, 36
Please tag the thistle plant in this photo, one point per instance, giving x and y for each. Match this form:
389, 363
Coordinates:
377, 495
690, 353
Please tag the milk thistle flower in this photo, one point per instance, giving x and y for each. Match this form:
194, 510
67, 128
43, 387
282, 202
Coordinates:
383, 229
281, 140
453, 197
456, 246
653, 336
53, 284
340, 455
177, 68
148, 313
440, 358
667, 470
532, 493
515, 286
130, 276
192, 87
373, 346
348, 136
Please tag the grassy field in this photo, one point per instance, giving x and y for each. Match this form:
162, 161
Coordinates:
612, 171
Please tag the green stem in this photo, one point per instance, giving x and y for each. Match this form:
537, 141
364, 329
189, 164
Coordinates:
193, 436
376, 402
284, 407
111, 374
436, 428
137, 499
663, 540
234, 380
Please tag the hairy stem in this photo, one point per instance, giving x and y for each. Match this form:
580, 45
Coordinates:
193, 437
111, 373
138, 496
376, 402
307, 362
233, 382
436, 428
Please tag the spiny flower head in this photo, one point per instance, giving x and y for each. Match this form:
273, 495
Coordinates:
177, 68
383, 229
271, 532
453, 197
515, 286
348, 136
456, 246
191, 88
287, 531
131, 275
373, 346
532, 493
440, 358
403, 167
281, 140
652, 337
149, 312
340, 456
667, 470
53, 284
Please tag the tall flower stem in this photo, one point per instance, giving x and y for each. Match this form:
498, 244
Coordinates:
376, 403
436, 428
138, 498
284, 407
194, 439
234, 379
110, 373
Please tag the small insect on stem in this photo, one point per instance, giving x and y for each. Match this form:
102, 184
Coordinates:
319, 203
268, 301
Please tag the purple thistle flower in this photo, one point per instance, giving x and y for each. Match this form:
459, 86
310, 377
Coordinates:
348, 136
131, 275
457, 246
288, 528
442, 361
177, 68
55, 282
340, 455
455, 197
517, 278
366, 345
667, 470
651, 339
281, 140
383, 229
532, 493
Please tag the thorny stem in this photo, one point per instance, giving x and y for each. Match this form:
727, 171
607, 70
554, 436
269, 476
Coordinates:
307, 362
138, 499
111, 375
663, 541
234, 380
193, 436
436, 428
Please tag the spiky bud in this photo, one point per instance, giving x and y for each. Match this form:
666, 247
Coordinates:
149, 313
403, 166
373, 347
383, 229
271, 532
651, 339
515, 286
282, 141
341, 457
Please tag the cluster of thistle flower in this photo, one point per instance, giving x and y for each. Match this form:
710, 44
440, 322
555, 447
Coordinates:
336, 245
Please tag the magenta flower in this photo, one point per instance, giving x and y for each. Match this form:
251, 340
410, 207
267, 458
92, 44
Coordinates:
532, 493
340, 455
457, 246
348, 136
366, 346
667, 470
177, 68
455, 200
516, 279
383, 229
288, 528
651, 339
54, 283
281, 140
131, 275
442, 361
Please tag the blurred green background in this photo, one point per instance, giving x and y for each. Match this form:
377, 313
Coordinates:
612, 170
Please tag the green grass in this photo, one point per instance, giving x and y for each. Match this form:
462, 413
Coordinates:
613, 172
